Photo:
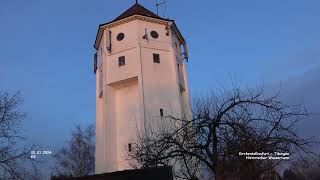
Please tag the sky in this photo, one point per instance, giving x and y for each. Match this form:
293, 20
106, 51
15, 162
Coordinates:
46, 52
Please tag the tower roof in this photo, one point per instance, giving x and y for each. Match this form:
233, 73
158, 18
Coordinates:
137, 9
134, 10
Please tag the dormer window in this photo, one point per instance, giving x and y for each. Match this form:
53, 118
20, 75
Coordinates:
154, 34
120, 36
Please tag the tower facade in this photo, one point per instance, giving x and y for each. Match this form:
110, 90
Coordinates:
140, 79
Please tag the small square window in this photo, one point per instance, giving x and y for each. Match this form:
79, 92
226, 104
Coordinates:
129, 147
156, 58
122, 61
161, 112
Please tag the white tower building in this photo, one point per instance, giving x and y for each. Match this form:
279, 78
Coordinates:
140, 78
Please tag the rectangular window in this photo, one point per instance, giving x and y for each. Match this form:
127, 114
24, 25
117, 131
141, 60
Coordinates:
156, 58
95, 63
129, 147
122, 61
161, 112
100, 83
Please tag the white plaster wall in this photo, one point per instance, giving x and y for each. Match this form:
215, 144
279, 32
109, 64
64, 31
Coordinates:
127, 117
128, 48
117, 73
160, 87
99, 129
110, 129
130, 40
133, 94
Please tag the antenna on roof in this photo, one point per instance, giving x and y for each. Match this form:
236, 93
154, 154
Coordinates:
164, 3
136, 1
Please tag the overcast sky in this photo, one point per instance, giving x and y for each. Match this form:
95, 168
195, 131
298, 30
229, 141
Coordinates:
46, 50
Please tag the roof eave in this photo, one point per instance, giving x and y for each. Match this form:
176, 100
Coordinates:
109, 24
177, 31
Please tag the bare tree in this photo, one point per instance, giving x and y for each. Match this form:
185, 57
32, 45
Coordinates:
306, 168
221, 127
13, 155
77, 158
32, 172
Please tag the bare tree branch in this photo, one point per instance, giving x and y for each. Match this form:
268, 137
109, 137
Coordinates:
77, 158
221, 127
